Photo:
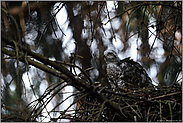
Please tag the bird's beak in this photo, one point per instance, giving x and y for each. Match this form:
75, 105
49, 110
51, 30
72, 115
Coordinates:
104, 55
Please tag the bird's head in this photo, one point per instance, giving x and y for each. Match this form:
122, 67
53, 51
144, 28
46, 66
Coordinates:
111, 56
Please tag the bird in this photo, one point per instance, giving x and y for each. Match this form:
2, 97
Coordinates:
125, 73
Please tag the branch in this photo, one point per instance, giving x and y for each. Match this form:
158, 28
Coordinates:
33, 63
143, 4
66, 74
33, 6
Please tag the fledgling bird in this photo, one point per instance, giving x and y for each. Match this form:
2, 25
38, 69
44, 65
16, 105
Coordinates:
125, 73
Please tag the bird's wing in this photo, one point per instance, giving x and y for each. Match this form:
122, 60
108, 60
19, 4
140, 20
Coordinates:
132, 68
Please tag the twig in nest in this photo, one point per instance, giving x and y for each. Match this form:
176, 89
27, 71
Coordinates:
165, 95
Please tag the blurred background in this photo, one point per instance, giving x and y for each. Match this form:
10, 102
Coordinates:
148, 32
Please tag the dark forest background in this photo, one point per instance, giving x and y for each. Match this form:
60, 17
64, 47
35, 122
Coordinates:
65, 59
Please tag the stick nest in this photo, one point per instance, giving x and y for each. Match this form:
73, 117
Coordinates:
147, 104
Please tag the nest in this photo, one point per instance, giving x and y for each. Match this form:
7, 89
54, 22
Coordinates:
147, 104
132, 104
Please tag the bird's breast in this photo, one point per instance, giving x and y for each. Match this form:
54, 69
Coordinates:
113, 70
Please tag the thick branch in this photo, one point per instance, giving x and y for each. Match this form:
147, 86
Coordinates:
35, 64
32, 7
